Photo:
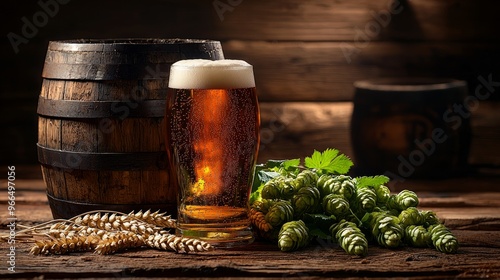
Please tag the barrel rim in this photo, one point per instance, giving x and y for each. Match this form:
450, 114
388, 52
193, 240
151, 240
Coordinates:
116, 44
415, 84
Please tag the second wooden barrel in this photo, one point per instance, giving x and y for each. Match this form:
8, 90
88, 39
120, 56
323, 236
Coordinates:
409, 128
101, 132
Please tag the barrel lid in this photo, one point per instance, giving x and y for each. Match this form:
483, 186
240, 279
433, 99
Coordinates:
130, 44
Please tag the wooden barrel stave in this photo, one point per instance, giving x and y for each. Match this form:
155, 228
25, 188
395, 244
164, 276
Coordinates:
127, 136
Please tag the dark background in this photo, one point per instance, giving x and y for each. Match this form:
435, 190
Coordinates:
298, 49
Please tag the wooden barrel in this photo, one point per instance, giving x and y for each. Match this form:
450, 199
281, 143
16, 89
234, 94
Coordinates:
410, 128
101, 130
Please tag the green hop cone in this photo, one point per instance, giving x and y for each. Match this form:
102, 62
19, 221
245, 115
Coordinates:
278, 188
293, 236
306, 200
403, 200
365, 199
341, 184
306, 178
411, 216
350, 238
271, 189
263, 205
442, 239
383, 194
417, 236
335, 204
287, 188
430, 218
407, 199
390, 232
279, 213
386, 229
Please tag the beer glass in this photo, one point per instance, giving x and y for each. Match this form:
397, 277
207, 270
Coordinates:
213, 136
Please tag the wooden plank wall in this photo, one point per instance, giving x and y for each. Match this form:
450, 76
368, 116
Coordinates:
306, 55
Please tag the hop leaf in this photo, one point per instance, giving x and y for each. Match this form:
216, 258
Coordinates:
257, 194
350, 238
374, 181
261, 177
293, 236
291, 164
329, 161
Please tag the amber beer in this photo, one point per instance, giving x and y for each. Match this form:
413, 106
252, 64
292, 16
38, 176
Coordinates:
213, 135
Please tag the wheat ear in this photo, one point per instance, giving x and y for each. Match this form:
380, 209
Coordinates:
64, 245
112, 242
170, 242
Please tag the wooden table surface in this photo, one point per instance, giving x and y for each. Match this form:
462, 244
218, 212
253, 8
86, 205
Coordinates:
469, 206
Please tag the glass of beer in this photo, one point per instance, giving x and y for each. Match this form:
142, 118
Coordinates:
213, 137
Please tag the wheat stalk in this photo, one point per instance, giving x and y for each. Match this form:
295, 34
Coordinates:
109, 232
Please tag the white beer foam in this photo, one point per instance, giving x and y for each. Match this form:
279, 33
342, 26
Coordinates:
211, 74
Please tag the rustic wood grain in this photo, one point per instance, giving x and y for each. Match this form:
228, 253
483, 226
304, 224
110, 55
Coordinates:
53, 132
261, 260
295, 129
343, 20
323, 71
326, 71
277, 20
473, 217
128, 135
